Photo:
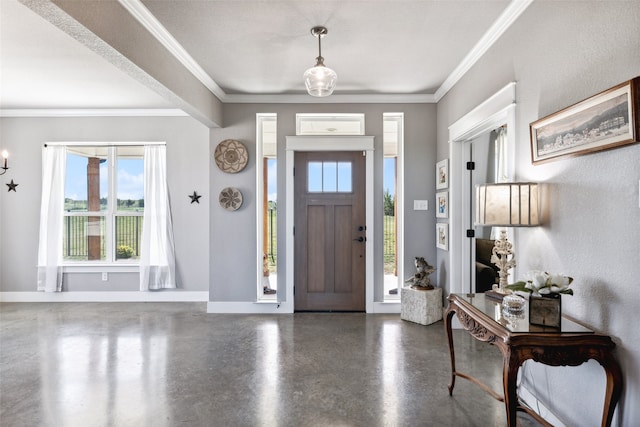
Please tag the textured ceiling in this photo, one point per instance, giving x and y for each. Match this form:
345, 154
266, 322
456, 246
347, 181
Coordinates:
250, 47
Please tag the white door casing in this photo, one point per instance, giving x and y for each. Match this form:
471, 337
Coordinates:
497, 110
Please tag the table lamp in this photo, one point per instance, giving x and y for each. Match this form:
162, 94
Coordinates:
509, 204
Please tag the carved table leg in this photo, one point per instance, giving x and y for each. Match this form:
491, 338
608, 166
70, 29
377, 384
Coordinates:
449, 315
614, 387
510, 367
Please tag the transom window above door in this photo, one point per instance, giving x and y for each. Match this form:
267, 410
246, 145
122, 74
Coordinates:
329, 177
330, 124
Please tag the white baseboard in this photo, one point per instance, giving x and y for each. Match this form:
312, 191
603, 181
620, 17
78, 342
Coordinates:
131, 296
386, 307
281, 307
231, 307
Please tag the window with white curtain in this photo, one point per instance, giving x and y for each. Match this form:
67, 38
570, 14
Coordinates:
105, 204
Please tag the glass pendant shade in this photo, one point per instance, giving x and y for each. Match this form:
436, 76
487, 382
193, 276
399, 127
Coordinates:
320, 80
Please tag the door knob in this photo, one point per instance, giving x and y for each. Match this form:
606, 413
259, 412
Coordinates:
360, 239
361, 228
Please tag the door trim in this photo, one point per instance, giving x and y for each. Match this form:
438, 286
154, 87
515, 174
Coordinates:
495, 111
328, 143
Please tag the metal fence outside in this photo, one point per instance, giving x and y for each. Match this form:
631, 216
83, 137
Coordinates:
128, 234
389, 244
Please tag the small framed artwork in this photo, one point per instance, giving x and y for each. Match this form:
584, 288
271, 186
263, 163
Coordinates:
604, 121
442, 204
544, 311
442, 174
442, 236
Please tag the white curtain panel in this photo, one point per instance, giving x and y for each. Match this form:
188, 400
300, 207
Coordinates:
501, 156
157, 252
54, 163
501, 169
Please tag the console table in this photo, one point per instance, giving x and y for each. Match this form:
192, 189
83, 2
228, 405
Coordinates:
518, 341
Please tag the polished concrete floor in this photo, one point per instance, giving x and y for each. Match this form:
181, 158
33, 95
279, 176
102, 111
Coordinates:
172, 364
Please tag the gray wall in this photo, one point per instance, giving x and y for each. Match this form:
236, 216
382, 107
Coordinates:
187, 165
560, 53
233, 241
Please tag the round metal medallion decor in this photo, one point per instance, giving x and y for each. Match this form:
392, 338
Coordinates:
231, 156
230, 198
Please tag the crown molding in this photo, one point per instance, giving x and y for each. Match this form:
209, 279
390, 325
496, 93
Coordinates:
333, 99
146, 18
92, 112
504, 21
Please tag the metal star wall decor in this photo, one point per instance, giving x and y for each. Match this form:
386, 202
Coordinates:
194, 197
12, 186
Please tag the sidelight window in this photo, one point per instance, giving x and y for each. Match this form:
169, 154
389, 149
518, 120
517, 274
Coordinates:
267, 189
392, 204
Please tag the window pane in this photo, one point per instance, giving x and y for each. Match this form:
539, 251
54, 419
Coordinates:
314, 177
86, 181
130, 183
84, 238
330, 124
267, 210
344, 177
329, 177
128, 237
272, 218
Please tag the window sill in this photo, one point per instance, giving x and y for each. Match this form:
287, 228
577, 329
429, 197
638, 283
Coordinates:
100, 268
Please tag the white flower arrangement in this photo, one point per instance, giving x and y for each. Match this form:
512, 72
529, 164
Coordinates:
542, 283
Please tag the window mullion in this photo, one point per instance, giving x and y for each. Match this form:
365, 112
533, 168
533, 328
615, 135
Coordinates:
111, 205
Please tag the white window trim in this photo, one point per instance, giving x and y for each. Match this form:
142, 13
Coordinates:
399, 204
260, 297
109, 265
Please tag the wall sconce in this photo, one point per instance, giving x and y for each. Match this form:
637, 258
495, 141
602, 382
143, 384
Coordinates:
506, 205
5, 156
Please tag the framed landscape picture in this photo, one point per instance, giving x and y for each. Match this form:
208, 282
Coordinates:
604, 121
442, 236
442, 174
442, 204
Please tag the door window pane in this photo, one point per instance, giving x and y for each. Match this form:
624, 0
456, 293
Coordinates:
344, 177
314, 177
329, 177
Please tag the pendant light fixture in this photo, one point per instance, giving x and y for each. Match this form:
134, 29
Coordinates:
320, 80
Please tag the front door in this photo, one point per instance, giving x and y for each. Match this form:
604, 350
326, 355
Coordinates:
330, 231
